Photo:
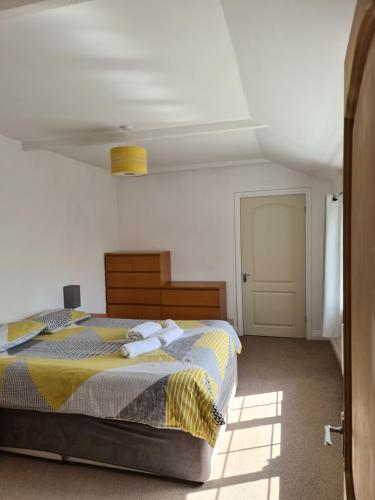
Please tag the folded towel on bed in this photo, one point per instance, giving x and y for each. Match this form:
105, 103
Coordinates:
170, 322
170, 334
144, 330
133, 349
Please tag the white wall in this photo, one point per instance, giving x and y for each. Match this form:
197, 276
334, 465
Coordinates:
192, 214
337, 182
57, 218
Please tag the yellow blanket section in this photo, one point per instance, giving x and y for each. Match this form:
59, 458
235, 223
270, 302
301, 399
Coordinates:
190, 393
189, 404
58, 379
5, 361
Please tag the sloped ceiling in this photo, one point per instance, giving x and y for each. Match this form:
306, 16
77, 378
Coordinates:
84, 69
291, 59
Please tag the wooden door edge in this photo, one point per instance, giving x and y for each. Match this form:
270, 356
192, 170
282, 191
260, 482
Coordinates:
349, 485
364, 39
347, 341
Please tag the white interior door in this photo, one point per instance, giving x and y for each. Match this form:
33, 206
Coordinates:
273, 265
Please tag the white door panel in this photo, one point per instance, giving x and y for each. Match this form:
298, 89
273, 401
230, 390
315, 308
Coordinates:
274, 308
272, 266
273, 253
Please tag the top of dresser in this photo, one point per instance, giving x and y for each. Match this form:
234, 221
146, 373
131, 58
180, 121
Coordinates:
145, 252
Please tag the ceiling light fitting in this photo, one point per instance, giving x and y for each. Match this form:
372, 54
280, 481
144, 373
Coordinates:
129, 160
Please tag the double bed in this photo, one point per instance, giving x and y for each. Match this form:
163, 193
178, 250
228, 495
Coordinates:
70, 395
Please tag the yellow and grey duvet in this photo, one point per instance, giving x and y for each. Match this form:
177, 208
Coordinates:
81, 370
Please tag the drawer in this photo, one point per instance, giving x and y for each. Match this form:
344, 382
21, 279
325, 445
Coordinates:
118, 263
132, 263
133, 280
181, 312
134, 311
191, 298
133, 296
146, 263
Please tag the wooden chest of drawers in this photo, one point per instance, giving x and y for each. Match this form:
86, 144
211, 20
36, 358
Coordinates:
138, 286
133, 281
194, 300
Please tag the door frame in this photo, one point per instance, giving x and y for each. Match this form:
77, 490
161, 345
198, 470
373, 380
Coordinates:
308, 239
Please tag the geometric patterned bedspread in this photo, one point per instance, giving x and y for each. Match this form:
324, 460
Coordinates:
80, 370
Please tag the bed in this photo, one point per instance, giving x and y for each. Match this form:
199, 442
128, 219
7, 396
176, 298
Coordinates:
71, 396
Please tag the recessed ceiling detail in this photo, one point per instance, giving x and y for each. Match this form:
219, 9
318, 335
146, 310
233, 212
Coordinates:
130, 135
11, 8
190, 82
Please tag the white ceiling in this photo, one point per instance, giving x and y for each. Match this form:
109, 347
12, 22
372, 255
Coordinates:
83, 70
291, 58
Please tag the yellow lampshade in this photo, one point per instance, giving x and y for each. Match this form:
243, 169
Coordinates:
128, 160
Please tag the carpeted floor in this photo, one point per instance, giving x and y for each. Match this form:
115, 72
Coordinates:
273, 448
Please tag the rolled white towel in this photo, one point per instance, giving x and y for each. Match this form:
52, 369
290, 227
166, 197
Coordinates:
170, 322
133, 349
144, 330
170, 334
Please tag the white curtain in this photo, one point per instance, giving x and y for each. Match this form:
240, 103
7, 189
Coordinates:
333, 286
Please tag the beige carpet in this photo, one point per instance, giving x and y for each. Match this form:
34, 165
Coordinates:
273, 448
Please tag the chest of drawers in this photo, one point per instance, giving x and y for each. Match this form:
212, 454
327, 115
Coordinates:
139, 286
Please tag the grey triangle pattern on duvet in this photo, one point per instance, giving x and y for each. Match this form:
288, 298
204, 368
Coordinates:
151, 404
21, 348
181, 348
25, 389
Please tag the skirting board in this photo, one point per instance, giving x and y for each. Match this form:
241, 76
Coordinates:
316, 335
335, 343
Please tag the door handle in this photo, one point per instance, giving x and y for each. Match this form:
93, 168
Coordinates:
327, 433
245, 276
329, 428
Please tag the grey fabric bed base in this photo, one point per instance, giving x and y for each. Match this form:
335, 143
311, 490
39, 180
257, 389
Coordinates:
165, 452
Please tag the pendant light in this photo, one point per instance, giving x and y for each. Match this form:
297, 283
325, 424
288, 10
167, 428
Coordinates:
129, 160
